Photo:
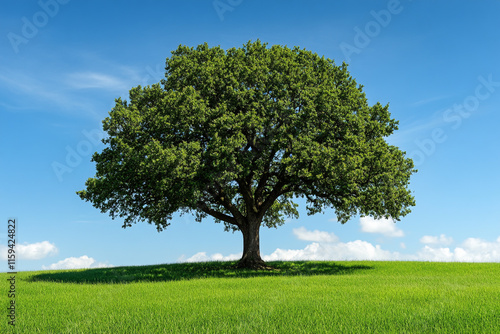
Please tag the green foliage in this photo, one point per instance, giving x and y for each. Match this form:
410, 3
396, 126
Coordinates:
238, 134
318, 297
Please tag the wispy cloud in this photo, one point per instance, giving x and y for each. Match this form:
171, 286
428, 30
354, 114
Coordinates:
66, 90
34, 94
416, 130
77, 263
95, 80
429, 100
30, 86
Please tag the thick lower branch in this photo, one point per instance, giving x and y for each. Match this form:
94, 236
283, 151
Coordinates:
265, 177
271, 198
218, 215
246, 192
221, 199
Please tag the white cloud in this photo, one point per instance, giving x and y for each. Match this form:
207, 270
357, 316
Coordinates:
435, 254
433, 240
320, 236
76, 263
383, 226
327, 247
353, 250
471, 250
35, 251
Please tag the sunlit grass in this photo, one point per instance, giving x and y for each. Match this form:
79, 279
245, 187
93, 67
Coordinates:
297, 297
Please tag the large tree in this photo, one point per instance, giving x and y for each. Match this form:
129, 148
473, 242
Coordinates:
238, 134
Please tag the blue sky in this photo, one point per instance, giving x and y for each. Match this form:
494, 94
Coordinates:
63, 62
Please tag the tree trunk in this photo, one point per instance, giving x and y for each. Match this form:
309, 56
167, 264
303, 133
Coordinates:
251, 249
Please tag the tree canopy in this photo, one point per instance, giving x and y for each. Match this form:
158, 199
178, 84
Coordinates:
237, 134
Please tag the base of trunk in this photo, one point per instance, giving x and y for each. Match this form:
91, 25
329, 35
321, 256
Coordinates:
255, 264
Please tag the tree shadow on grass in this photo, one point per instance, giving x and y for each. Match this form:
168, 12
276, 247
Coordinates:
187, 271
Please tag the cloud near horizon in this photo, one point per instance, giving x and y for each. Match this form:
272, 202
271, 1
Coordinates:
383, 226
203, 257
320, 236
81, 262
471, 250
34, 251
327, 247
432, 240
353, 250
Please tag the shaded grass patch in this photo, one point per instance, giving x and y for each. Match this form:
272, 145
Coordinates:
188, 271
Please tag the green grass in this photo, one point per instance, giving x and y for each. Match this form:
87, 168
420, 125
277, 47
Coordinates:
297, 297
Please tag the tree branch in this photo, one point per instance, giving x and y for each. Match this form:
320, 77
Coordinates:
271, 198
216, 214
265, 177
246, 192
220, 198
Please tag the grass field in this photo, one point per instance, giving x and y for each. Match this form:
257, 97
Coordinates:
297, 297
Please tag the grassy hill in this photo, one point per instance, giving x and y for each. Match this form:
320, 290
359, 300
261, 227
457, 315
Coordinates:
296, 297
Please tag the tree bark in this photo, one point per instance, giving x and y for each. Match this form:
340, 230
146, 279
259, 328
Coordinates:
251, 248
